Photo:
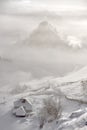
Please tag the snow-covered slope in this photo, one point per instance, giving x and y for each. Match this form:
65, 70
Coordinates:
77, 75
70, 94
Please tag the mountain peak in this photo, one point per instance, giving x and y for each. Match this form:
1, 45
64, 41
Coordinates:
45, 35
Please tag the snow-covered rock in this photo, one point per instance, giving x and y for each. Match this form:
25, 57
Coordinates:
20, 112
77, 114
25, 103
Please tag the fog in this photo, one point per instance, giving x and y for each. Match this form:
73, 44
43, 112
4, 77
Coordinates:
19, 19
43, 64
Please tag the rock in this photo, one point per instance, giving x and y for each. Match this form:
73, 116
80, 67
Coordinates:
76, 114
20, 112
25, 103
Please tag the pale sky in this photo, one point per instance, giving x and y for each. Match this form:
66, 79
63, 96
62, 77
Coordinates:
63, 4
52, 5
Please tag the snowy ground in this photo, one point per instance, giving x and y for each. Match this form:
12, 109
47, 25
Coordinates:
72, 98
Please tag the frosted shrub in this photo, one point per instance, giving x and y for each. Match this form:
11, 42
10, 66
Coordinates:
52, 106
84, 85
50, 110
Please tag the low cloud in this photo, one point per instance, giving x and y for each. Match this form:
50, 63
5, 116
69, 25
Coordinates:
74, 42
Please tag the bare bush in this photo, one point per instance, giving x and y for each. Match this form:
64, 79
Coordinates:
52, 106
84, 85
50, 110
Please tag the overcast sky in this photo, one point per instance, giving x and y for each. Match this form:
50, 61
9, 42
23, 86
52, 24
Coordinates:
53, 5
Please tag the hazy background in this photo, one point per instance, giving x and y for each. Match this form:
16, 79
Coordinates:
18, 19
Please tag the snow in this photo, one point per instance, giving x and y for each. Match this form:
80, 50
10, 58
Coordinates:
84, 128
